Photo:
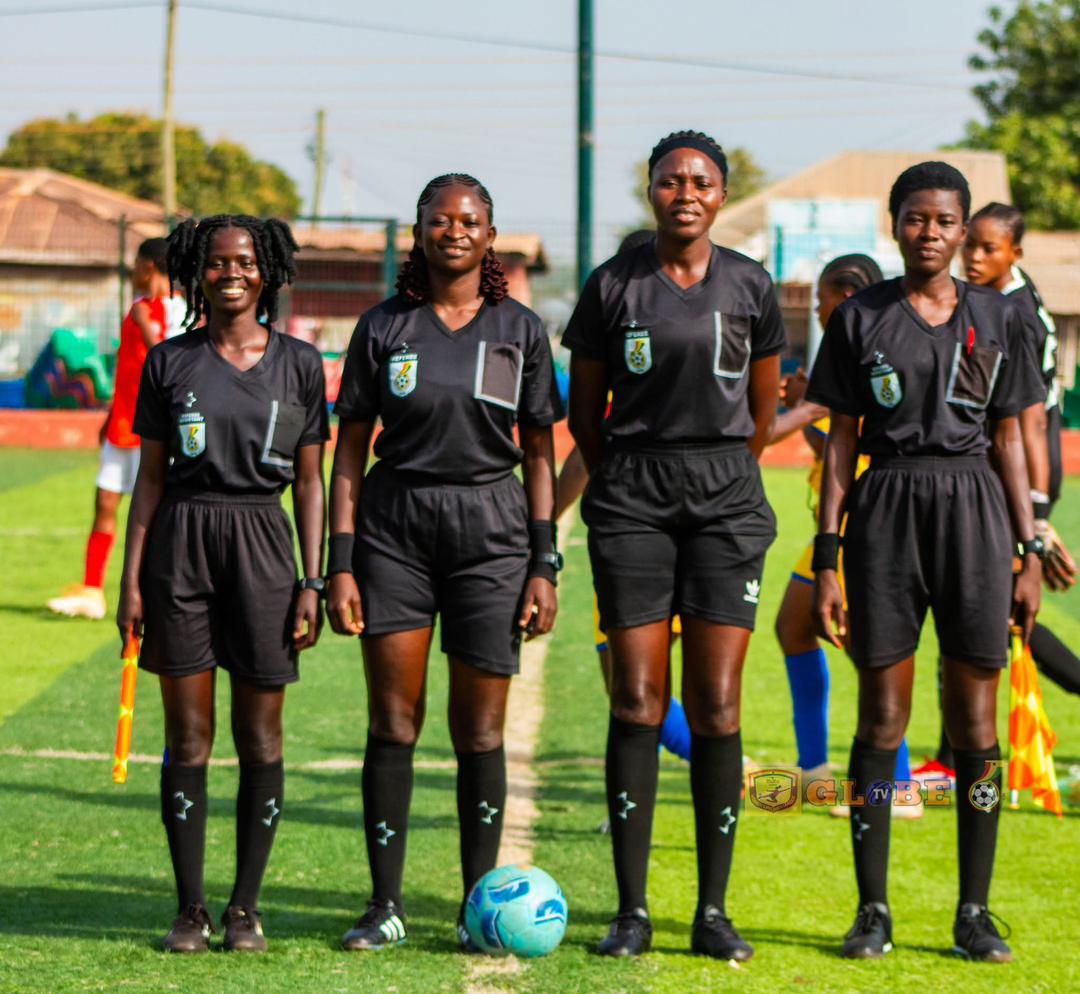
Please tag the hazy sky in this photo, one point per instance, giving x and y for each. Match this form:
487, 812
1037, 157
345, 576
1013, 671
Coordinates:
794, 82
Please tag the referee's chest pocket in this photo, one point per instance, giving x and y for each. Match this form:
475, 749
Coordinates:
973, 375
283, 432
498, 374
731, 353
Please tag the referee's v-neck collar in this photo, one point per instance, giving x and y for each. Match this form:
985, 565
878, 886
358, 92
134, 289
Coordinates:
685, 293
935, 330
265, 360
441, 325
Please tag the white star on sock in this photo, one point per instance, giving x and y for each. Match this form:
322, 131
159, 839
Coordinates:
487, 812
274, 812
860, 826
385, 833
627, 805
730, 820
184, 805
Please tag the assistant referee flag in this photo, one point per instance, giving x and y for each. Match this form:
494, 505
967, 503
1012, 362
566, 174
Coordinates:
1031, 739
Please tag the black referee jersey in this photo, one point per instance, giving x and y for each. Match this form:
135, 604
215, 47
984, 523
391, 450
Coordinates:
1040, 328
924, 391
677, 358
231, 431
449, 400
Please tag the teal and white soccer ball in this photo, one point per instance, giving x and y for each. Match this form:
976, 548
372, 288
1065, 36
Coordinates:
516, 909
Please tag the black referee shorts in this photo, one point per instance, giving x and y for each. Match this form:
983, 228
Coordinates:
459, 551
928, 533
678, 530
218, 585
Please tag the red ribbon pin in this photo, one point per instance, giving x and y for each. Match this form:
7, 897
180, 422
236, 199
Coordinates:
971, 339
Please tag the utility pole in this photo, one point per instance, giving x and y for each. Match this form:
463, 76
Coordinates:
319, 155
584, 140
168, 125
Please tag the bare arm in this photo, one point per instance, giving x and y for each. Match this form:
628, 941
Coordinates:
149, 488
309, 510
795, 419
588, 399
1008, 459
838, 474
346, 479
151, 330
1033, 426
573, 478
539, 605
761, 394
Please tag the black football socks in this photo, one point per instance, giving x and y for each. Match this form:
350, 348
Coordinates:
716, 784
183, 812
978, 805
1055, 659
481, 801
259, 801
631, 772
387, 783
872, 771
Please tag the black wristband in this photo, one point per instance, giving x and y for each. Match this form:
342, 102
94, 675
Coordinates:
826, 552
341, 550
1041, 509
544, 558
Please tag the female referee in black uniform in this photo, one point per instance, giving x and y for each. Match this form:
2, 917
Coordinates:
230, 414
442, 525
687, 337
938, 370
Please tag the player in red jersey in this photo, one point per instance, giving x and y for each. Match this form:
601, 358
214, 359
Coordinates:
149, 321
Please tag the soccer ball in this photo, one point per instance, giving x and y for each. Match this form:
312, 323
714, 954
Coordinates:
984, 795
516, 909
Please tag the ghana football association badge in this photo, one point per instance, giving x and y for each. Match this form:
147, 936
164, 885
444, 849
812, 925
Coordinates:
885, 382
192, 428
637, 348
403, 367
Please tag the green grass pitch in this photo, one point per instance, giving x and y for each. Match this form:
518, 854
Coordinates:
86, 891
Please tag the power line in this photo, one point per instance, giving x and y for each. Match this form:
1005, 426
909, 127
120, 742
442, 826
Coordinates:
69, 8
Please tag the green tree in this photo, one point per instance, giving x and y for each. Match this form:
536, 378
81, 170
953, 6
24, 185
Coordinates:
1032, 105
745, 177
123, 152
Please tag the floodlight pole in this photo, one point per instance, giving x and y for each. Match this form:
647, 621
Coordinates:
168, 126
584, 140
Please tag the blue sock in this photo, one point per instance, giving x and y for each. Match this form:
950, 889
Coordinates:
808, 675
903, 762
675, 731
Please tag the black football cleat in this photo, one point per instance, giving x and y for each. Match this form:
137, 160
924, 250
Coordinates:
381, 925
630, 934
871, 935
714, 935
976, 936
190, 932
243, 930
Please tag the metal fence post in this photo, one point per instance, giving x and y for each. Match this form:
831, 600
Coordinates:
390, 257
121, 271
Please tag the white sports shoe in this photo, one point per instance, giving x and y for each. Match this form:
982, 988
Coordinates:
79, 601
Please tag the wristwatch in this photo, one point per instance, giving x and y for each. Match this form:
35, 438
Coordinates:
553, 559
316, 583
1035, 545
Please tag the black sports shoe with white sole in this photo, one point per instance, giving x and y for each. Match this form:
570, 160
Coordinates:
976, 936
243, 930
871, 935
630, 934
381, 925
714, 935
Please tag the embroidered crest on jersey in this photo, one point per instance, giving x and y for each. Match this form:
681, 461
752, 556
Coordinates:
404, 367
192, 429
637, 348
885, 382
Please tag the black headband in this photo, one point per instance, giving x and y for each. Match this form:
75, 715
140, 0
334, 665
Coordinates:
699, 144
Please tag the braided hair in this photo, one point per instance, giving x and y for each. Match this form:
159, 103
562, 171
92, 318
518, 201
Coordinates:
1009, 217
189, 249
690, 139
413, 282
851, 272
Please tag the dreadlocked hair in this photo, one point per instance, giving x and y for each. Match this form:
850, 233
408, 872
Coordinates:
690, 139
189, 250
852, 272
413, 282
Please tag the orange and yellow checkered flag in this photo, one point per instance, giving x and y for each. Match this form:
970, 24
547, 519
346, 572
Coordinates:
126, 717
1031, 739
